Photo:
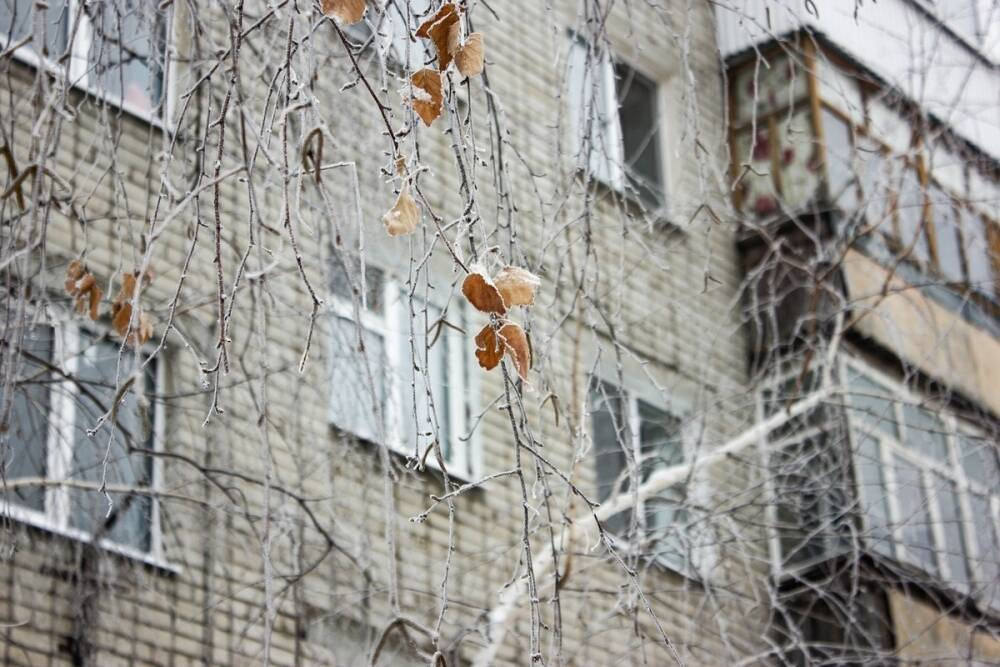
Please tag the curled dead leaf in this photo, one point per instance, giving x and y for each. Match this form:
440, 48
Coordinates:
482, 293
438, 29
82, 286
121, 311
518, 347
404, 216
344, 11
427, 97
470, 57
489, 349
517, 286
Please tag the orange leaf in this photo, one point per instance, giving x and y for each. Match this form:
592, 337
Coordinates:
489, 351
517, 286
482, 293
121, 317
469, 58
518, 347
95, 301
345, 11
403, 217
82, 286
438, 29
427, 95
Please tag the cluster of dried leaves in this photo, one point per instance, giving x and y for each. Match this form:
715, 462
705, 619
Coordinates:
82, 286
511, 286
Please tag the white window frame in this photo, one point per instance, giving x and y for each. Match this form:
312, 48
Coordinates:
953, 471
702, 558
606, 161
59, 452
392, 325
606, 157
79, 74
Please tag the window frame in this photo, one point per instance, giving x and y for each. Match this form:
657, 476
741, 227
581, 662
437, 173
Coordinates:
78, 72
952, 471
54, 518
699, 559
399, 34
392, 325
607, 162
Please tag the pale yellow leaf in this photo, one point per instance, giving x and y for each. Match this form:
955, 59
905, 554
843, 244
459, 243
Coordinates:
517, 286
404, 216
469, 58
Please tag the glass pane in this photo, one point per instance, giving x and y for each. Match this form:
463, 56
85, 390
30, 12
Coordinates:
910, 209
870, 404
977, 253
953, 550
104, 457
874, 498
345, 280
637, 113
925, 433
987, 542
839, 161
875, 184
668, 526
810, 494
127, 53
24, 442
351, 400
949, 245
979, 460
17, 21
424, 380
914, 518
610, 434
660, 438
756, 186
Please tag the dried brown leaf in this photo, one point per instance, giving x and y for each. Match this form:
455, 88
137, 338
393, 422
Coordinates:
82, 286
95, 301
427, 95
489, 350
122, 314
482, 293
404, 216
470, 57
438, 29
517, 286
518, 347
344, 11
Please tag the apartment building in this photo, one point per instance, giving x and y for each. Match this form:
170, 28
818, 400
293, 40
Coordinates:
296, 459
865, 156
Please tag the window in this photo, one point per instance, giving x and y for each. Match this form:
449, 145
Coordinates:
48, 437
982, 252
929, 486
614, 117
396, 371
393, 31
624, 427
118, 51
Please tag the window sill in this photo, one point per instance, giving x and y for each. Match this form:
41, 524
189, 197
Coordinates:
629, 198
28, 58
38, 522
429, 463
